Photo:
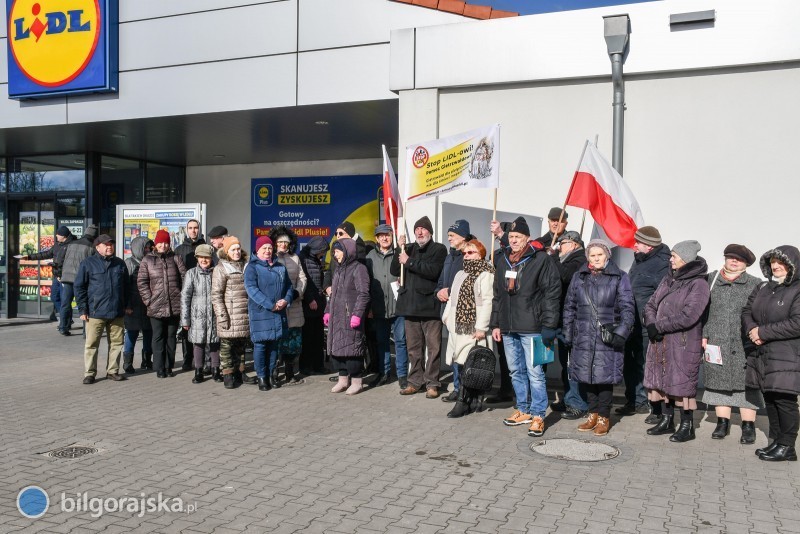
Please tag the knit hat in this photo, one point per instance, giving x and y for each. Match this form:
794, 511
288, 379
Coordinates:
63, 231
555, 213
204, 251
348, 227
601, 243
231, 240
572, 235
218, 231
424, 222
687, 250
162, 236
383, 229
649, 235
260, 242
520, 226
92, 231
741, 253
460, 227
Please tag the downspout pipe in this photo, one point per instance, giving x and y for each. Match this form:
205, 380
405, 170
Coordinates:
617, 32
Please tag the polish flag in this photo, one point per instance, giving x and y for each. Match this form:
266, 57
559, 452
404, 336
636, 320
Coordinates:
599, 188
392, 205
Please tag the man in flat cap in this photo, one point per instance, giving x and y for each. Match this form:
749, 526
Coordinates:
101, 290
557, 225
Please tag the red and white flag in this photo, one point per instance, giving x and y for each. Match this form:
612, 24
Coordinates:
392, 205
599, 188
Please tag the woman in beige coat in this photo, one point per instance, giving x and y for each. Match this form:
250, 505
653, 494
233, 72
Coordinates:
467, 313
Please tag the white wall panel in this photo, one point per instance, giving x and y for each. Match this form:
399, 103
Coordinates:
344, 75
207, 88
146, 9
401, 75
16, 114
257, 30
328, 23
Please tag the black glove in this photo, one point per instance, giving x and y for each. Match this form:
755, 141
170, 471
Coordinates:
652, 332
619, 343
548, 336
295, 294
659, 337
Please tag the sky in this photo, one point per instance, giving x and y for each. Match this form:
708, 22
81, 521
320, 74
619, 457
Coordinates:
529, 7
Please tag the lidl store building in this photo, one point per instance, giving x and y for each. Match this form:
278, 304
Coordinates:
192, 100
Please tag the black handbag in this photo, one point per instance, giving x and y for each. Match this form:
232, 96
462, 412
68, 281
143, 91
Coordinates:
607, 329
478, 374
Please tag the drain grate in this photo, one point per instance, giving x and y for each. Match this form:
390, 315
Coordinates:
579, 450
71, 452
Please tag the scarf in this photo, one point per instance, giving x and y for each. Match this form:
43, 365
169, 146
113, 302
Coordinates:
730, 276
778, 280
513, 259
465, 307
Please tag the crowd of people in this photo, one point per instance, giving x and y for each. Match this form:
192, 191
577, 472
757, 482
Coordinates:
652, 328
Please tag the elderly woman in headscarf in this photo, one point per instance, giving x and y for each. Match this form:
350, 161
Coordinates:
673, 318
599, 297
468, 312
290, 346
771, 320
725, 381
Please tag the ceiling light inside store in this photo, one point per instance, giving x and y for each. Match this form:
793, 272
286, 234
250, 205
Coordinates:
321, 123
119, 136
218, 156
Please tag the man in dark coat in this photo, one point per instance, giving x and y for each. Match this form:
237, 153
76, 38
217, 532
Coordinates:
57, 252
557, 225
77, 251
422, 262
651, 264
101, 289
312, 261
527, 292
571, 257
185, 251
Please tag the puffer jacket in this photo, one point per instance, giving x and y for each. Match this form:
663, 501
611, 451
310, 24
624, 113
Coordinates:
417, 295
229, 297
381, 296
349, 297
297, 277
774, 309
196, 310
676, 309
266, 284
160, 280
76, 252
591, 360
137, 320
315, 276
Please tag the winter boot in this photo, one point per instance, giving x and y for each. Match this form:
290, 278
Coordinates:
461, 407
685, 431
667, 423
356, 385
748, 433
273, 378
147, 360
723, 428
341, 384
244, 378
263, 384
229, 381
216, 376
127, 363
198, 376
291, 378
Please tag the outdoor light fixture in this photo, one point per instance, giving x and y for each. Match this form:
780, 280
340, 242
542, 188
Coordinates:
617, 29
695, 19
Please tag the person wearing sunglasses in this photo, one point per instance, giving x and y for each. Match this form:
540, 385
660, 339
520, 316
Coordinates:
346, 230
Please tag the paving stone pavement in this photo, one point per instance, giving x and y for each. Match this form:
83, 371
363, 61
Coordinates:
300, 459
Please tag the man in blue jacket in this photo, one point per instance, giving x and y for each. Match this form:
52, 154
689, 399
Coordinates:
101, 290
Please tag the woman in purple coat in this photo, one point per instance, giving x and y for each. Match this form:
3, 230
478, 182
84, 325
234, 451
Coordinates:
673, 318
344, 317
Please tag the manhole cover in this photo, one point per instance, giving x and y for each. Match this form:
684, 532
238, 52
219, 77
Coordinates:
579, 450
73, 451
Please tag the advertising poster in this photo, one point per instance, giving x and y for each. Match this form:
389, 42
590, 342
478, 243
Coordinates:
75, 225
463, 161
316, 206
135, 220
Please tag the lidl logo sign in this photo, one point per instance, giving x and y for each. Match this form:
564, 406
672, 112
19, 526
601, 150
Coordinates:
262, 195
58, 47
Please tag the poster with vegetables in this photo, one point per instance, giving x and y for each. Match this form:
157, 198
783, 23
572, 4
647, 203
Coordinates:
47, 230
28, 229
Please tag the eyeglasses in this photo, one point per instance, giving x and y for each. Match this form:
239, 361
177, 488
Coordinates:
340, 234
471, 252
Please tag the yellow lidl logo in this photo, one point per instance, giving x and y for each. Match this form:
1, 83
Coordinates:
52, 41
263, 192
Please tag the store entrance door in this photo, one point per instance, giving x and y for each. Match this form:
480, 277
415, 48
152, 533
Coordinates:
32, 226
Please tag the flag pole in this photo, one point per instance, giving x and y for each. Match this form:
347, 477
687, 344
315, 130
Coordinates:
583, 220
402, 266
571, 186
494, 218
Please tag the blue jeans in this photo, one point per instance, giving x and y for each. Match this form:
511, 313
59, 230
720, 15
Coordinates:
456, 377
528, 380
55, 295
574, 395
400, 351
130, 341
260, 351
633, 367
65, 317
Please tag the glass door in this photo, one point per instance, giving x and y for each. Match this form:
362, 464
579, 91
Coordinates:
35, 233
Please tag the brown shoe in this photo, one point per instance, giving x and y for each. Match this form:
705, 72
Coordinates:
432, 393
537, 427
590, 423
410, 390
115, 377
603, 424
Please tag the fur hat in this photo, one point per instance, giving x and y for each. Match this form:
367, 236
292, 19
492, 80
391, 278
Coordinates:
687, 250
649, 235
424, 222
162, 236
741, 253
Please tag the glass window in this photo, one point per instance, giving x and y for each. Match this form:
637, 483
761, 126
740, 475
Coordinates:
121, 182
164, 184
65, 172
2, 175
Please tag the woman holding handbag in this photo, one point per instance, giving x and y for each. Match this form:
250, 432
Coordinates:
598, 317
467, 313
